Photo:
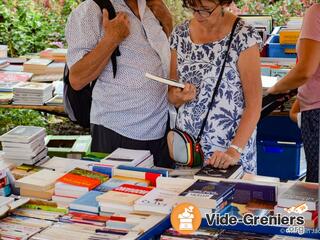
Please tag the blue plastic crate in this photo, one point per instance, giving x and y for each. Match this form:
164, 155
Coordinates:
281, 159
280, 150
277, 50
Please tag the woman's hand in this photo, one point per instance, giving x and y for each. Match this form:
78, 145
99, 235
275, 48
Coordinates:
181, 96
225, 159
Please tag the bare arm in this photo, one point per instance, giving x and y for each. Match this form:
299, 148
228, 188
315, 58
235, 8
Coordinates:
308, 63
249, 67
91, 65
162, 13
250, 75
177, 96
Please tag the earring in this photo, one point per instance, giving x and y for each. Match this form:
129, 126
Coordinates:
222, 11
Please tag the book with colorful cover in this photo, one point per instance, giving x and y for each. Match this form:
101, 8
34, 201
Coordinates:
163, 172
91, 174
116, 181
87, 202
6, 76
151, 176
80, 181
206, 194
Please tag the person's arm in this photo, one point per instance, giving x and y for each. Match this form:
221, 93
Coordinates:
249, 68
308, 63
162, 13
178, 96
295, 109
92, 64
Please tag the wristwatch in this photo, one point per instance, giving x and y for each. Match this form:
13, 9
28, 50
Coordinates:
238, 149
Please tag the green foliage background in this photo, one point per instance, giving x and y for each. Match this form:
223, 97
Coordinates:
29, 26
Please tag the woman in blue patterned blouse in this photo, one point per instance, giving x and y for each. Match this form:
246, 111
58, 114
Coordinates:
198, 46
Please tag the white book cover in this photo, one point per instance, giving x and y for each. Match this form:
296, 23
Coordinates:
165, 80
42, 180
157, 200
23, 134
38, 61
123, 156
33, 87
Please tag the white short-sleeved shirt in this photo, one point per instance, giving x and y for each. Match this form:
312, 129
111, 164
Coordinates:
128, 104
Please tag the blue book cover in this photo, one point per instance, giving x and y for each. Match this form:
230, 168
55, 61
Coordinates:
103, 170
210, 190
87, 202
163, 172
246, 192
114, 183
5, 191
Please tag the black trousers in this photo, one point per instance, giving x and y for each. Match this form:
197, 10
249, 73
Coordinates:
105, 140
310, 121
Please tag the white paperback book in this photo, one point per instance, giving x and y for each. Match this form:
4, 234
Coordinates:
157, 201
123, 156
165, 81
23, 134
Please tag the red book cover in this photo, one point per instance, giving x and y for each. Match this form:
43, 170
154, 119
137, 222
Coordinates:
3, 182
152, 177
133, 189
81, 181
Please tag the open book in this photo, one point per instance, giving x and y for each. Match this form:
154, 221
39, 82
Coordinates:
164, 80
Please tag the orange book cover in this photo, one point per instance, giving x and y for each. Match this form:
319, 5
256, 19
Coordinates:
78, 180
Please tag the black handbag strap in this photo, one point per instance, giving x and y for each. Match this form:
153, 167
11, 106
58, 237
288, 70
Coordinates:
215, 92
106, 4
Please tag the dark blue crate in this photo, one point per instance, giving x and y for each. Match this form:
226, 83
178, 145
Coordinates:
280, 159
279, 148
277, 50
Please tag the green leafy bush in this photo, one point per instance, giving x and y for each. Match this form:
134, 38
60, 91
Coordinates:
28, 26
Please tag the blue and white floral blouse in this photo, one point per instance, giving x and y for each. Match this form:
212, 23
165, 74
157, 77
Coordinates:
200, 64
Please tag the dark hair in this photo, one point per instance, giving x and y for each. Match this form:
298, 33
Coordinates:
192, 3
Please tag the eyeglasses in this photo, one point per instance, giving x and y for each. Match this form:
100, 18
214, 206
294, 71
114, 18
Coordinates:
204, 13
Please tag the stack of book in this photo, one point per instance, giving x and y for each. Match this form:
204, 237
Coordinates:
24, 144
56, 54
17, 227
122, 156
301, 196
156, 201
39, 184
36, 65
208, 196
4, 63
121, 199
8, 80
41, 66
30, 93
8, 204
75, 184
87, 203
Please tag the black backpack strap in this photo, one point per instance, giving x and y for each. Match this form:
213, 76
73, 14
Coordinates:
215, 92
106, 4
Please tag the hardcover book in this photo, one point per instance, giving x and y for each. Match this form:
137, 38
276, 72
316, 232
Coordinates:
209, 172
206, 194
